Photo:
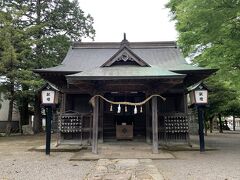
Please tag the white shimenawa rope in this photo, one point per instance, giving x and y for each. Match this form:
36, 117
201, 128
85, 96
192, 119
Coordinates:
125, 103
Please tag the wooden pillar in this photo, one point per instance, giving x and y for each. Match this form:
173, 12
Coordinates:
186, 113
154, 125
185, 103
95, 126
148, 139
64, 98
101, 121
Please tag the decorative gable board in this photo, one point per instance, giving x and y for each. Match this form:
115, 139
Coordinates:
125, 55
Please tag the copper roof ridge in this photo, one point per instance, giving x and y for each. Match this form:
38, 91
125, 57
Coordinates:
115, 45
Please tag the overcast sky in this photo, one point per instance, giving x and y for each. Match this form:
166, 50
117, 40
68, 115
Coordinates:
141, 20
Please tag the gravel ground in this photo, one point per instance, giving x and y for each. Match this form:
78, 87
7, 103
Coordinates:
222, 164
18, 163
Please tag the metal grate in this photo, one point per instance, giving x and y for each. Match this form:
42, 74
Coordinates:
176, 124
71, 124
174, 127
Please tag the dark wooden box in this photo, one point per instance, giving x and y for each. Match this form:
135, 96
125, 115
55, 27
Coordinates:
124, 131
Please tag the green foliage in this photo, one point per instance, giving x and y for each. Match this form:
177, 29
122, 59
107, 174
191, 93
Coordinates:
11, 42
37, 34
209, 33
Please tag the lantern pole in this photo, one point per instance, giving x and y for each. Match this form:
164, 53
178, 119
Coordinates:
201, 127
48, 110
49, 100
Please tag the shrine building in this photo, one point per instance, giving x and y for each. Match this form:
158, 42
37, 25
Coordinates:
118, 91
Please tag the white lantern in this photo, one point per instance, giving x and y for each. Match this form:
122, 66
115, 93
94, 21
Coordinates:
49, 95
201, 96
198, 94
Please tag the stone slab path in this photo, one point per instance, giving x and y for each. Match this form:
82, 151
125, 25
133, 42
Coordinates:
124, 169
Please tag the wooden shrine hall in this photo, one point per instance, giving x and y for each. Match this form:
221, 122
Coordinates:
123, 91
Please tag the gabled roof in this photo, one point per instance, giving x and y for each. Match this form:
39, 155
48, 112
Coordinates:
83, 56
125, 54
99, 60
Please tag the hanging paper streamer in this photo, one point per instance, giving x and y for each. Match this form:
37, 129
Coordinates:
126, 109
135, 110
111, 108
141, 109
119, 109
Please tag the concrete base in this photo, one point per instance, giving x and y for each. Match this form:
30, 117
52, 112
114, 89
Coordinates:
122, 150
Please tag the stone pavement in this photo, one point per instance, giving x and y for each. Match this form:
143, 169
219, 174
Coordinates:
124, 169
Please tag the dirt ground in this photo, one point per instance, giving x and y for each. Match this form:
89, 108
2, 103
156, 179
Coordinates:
16, 162
221, 164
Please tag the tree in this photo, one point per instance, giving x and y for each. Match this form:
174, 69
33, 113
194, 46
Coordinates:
209, 33
49, 28
12, 51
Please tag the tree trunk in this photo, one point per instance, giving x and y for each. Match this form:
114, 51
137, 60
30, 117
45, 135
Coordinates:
10, 111
37, 123
234, 123
24, 114
211, 124
220, 124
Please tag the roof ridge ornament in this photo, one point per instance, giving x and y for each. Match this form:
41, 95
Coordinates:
124, 42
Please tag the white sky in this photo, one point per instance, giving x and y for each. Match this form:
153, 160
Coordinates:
141, 20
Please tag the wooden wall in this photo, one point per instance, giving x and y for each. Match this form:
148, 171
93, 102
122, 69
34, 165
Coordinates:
174, 103
78, 102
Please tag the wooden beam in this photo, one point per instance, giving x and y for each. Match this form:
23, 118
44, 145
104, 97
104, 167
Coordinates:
77, 91
95, 126
123, 88
154, 125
